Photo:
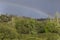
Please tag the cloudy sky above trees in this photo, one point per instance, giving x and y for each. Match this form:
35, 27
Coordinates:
30, 8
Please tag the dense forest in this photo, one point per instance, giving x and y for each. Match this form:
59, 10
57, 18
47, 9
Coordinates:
25, 28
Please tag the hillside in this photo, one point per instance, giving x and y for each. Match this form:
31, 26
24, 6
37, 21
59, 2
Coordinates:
25, 28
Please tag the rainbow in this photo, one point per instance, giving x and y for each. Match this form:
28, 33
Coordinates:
22, 6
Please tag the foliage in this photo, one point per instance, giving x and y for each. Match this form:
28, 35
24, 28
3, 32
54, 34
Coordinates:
22, 28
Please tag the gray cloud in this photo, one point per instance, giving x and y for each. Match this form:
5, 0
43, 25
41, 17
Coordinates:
47, 6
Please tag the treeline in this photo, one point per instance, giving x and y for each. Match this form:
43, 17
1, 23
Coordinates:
22, 28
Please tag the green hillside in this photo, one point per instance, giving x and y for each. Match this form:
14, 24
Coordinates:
25, 28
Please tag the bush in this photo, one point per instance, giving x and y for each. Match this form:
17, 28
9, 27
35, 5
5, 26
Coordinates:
8, 33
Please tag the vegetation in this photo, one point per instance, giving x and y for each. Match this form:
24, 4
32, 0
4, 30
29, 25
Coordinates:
24, 28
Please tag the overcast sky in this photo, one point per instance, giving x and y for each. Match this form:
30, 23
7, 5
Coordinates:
30, 8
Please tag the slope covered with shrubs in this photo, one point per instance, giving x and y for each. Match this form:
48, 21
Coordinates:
23, 28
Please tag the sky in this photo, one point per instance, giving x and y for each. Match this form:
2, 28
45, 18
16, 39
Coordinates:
30, 8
